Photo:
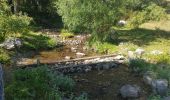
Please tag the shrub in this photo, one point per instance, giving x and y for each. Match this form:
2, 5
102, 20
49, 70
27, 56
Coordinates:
4, 57
81, 97
37, 84
139, 65
96, 17
154, 97
152, 12
12, 25
66, 34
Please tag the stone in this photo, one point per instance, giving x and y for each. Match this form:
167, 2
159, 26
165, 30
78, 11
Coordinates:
130, 91
160, 86
119, 57
131, 55
166, 98
67, 57
80, 55
139, 52
73, 49
122, 23
147, 79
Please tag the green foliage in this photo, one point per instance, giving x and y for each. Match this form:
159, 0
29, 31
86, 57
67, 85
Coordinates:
12, 25
4, 57
37, 84
104, 47
66, 34
36, 41
151, 13
4, 8
95, 17
139, 65
160, 59
81, 97
154, 97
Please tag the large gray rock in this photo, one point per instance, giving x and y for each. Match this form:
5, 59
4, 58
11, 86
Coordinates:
130, 91
160, 87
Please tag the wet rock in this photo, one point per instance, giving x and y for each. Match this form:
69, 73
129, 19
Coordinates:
166, 98
80, 55
130, 91
109, 65
160, 87
87, 69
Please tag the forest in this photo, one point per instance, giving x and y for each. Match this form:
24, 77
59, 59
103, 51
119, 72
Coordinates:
84, 49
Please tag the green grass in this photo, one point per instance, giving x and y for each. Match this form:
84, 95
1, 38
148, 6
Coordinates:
37, 41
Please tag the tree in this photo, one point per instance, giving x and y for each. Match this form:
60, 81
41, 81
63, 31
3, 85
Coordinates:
94, 16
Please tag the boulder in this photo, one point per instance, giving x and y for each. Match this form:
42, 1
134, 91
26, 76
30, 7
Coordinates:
130, 91
80, 55
160, 87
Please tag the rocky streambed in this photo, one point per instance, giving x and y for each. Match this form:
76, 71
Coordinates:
106, 84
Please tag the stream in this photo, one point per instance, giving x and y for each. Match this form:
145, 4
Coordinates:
99, 85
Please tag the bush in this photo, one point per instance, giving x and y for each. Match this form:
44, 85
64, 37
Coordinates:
37, 84
12, 25
4, 57
66, 34
154, 97
139, 65
151, 13
35, 41
96, 17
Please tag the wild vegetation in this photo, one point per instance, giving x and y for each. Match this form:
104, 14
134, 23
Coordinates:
146, 25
